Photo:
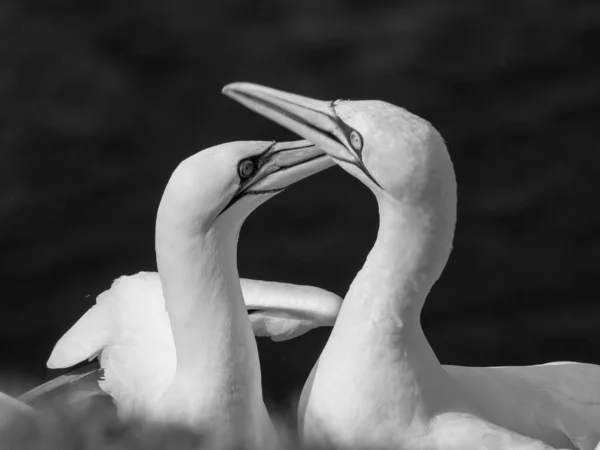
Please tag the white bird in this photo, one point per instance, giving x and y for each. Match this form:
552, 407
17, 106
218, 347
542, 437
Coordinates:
129, 331
377, 381
179, 346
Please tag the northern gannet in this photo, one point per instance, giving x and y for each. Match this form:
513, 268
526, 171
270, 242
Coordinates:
129, 332
377, 381
212, 379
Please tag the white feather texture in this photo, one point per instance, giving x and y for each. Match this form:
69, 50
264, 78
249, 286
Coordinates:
378, 382
129, 331
130, 328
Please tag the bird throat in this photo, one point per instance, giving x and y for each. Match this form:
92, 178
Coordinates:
217, 380
377, 374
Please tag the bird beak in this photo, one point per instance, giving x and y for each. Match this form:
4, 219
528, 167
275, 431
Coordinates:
285, 163
312, 119
280, 165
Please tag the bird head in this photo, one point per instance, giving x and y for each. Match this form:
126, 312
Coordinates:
385, 146
225, 183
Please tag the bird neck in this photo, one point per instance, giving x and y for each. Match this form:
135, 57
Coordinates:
217, 371
412, 247
201, 288
378, 337
407, 258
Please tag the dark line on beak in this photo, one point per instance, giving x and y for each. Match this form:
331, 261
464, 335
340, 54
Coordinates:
295, 117
293, 148
264, 152
266, 191
323, 155
302, 121
244, 192
363, 168
347, 130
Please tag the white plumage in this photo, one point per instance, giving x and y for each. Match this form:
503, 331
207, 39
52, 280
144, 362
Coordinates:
179, 347
378, 382
129, 331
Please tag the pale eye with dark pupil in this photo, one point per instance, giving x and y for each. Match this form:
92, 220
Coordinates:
246, 169
356, 140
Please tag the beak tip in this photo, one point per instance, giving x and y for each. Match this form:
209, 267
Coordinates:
235, 88
228, 89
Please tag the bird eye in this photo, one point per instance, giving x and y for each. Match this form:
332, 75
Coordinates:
246, 169
356, 140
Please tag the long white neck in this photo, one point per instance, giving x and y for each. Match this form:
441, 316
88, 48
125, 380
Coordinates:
217, 382
412, 247
377, 356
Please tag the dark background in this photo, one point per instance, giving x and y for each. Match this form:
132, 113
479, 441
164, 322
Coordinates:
101, 100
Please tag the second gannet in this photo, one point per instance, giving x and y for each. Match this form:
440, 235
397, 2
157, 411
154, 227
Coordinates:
216, 383
128, 330
378, 383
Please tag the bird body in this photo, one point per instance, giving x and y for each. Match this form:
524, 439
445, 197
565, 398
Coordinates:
214, 373
555, 402
129, 331
378, 383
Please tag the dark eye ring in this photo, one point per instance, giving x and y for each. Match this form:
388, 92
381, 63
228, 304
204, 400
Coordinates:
356, 140
246, 168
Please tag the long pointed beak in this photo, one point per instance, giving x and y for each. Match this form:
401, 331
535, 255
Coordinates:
312, 119
285, 163
280, 165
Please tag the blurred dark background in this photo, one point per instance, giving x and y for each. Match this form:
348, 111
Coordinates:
101, 100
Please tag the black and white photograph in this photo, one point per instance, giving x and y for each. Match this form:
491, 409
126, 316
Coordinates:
319, 224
